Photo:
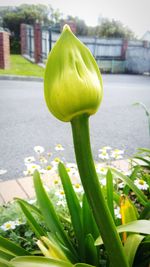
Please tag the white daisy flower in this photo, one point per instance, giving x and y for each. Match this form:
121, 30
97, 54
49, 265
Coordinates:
60, 194
32, 167
47, 189
29, 160
117, 212
100, 169
103, 182
10, 225
78, 188
104, 148
2, 171
49, 154
71, 165
17, 222
61, 203
55, 163
103, 155
26, 173
39, 149
42, 171
43, 160
31, 201
116, 155
49, 168
128, 173
141, 184
118, 151
121, 185
59, 147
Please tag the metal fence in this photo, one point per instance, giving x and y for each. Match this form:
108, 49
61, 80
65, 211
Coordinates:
112, 55
30, 42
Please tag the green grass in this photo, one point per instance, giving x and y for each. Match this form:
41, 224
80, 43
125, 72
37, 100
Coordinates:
21, 66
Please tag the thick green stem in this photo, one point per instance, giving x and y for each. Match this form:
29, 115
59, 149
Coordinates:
93, 192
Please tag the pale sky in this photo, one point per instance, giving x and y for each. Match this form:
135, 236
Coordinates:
133, 13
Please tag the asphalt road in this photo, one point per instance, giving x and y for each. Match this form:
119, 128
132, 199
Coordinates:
25, 121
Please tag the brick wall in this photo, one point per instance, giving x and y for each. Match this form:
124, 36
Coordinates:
4, 50
37, 43
23, 35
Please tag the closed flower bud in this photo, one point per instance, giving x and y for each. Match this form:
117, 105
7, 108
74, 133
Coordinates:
73, 83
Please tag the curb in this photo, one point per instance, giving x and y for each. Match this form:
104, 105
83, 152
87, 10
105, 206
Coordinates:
21, 78
23, 186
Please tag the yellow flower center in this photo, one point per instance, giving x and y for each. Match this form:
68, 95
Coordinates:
77, 185
141, 182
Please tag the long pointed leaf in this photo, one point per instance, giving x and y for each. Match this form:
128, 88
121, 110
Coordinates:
134, 188
74, 207
38, 262
143, 159
132, 177
12, 247
30, 206
6, 255
32, 222
50, 215
139, 226
4, 263
92, 254
89, 224
131, 245
145, 214
109, 189
83, 265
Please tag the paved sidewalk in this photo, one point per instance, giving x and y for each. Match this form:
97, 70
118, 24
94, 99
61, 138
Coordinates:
23, 187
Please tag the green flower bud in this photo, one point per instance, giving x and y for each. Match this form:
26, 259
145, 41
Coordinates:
73, 83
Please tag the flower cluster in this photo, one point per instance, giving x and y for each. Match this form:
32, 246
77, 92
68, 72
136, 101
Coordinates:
106, 153
10, 225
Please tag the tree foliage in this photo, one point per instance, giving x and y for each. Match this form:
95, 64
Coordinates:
29, 14
12, 17
111, 29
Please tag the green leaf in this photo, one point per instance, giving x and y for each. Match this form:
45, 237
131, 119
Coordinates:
142, 149
4, 263
116, 198
143, 199
145, 214
6, 255
9, 246
139, 226
131, 245
89, 224
50, 216
128, 210
34, 261
91, 251
132, 177
83, 265
73, 206
32, 222
143, 159
110, 189
30, 206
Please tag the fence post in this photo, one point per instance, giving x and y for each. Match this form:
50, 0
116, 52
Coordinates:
145, 44
37, 43
4, 50
124, 49
23, 34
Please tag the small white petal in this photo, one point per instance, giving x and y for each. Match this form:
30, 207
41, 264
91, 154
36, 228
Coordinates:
2, 171
39, 149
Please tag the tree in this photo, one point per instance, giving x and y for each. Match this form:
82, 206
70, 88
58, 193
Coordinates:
29, 14
113, 29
